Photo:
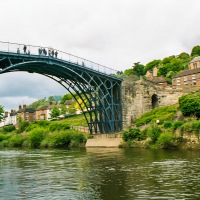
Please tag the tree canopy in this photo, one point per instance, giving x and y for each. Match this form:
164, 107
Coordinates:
1, 112
190, 104
195, 51
66, 97
151, 65
55, 112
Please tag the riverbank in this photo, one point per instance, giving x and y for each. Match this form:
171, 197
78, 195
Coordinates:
42, 134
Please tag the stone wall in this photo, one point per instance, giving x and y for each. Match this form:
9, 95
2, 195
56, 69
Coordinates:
138, 98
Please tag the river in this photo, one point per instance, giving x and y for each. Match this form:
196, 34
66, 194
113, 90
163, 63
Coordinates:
99, 173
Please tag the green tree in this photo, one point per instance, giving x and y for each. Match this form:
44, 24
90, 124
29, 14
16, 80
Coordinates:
1, 113
71, 109
138, 69
66, 97
63, 109
55, 112
184, 56
38, 104
195, 51
129, 72
190, 104
167, 59
151, 65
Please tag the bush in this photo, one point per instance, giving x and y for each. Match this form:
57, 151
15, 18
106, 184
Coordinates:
165, 139
22, 126
60, 139
58, 126
131, 134
154, 132
36, 136
196, 125
190, 104
3, 137
16, 140
37, 124
8, 128
167, 124
79, 138
177, 124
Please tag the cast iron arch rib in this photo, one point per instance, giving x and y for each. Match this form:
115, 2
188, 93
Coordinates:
102, 91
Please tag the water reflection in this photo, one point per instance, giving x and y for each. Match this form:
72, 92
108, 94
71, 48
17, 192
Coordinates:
99, 174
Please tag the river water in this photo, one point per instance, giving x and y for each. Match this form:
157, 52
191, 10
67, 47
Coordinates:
99, 173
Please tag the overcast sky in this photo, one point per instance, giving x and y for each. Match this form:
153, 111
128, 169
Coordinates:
114, 33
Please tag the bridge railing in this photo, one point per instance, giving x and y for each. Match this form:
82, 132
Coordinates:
34, 50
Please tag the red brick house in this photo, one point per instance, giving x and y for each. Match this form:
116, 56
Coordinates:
190, 76
25, 113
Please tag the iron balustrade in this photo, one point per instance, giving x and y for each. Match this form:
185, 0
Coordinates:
10, 47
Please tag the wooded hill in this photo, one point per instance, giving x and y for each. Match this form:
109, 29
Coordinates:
168, 67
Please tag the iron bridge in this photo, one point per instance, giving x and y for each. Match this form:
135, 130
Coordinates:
97, 86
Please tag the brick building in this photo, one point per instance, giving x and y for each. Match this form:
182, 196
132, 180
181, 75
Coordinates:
26, 113
190, 76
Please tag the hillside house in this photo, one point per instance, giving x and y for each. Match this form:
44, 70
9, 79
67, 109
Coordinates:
9, 118
190, 76
44, 113
25, 113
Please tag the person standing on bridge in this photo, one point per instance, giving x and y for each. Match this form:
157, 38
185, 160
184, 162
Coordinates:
40, 51
24, 49
56, 54
52, 53
49, 52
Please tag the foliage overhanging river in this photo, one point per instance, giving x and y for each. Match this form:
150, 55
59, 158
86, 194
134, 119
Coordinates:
99, 174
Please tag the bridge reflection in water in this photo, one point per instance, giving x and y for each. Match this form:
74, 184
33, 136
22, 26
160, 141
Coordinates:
97, 86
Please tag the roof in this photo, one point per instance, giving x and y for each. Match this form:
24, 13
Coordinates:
195, 59
30, 110
188, 72
157, 80
49, 107
69, 102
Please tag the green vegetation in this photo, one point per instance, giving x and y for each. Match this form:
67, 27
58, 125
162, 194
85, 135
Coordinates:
53, 134
195, 51
55, 112
169, 133
1, 112
66, 97
162, 114
190, 104
167, 67
75, 120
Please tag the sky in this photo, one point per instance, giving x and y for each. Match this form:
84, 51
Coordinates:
114, 33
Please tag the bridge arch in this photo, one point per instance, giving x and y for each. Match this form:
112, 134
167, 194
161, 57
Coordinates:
91, 84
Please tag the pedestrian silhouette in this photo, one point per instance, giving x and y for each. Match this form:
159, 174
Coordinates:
40, 51
18, 51
56, 54
24, 48
52, 53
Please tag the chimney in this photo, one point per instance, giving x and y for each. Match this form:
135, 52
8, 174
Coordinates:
24, 106
6, 114
20, 107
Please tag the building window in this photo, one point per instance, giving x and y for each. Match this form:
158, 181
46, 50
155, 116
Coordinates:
193, 77
195, 65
